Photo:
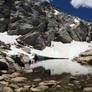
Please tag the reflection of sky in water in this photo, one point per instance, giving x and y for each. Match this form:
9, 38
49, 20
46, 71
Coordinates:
64, 66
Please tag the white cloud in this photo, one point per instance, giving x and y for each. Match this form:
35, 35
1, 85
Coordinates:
81, 3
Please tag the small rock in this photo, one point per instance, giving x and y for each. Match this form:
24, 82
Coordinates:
14, 74
48, 83
18, 79
1, 78
3, 64
19, 90
13, 86
37, 80
1, 87
7, 89
87, 89
4, 71
39, 88
26, 49
4, 83
28, 71
26, 87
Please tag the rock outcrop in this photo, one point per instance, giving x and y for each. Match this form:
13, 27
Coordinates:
41, 22
85, 58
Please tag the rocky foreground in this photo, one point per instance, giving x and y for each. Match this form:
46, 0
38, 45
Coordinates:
35, 25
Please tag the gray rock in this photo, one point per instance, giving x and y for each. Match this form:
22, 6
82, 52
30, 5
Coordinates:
5, 6
3, 65
34, 39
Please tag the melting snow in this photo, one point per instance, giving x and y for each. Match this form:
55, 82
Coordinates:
62, 50
4, 37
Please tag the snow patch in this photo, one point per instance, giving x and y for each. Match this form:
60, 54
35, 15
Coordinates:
72, 25
16, 51
76, 20
4, 37
62, 50
56, 12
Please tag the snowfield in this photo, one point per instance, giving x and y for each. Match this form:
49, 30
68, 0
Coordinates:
62, 50
56, 50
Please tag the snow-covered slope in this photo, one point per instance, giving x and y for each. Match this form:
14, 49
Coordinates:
61, 50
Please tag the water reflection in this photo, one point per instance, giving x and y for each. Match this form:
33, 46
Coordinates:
59, 66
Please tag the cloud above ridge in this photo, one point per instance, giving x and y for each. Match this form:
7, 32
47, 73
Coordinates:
81, 3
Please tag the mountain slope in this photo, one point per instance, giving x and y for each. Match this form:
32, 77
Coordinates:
40, 23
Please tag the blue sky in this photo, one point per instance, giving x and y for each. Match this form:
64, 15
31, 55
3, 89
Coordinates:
79, 8
82, 12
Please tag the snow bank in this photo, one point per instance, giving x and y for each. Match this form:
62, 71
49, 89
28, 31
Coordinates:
4, 37
62, 50
16, 51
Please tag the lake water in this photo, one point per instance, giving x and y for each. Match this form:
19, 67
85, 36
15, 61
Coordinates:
58, 66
